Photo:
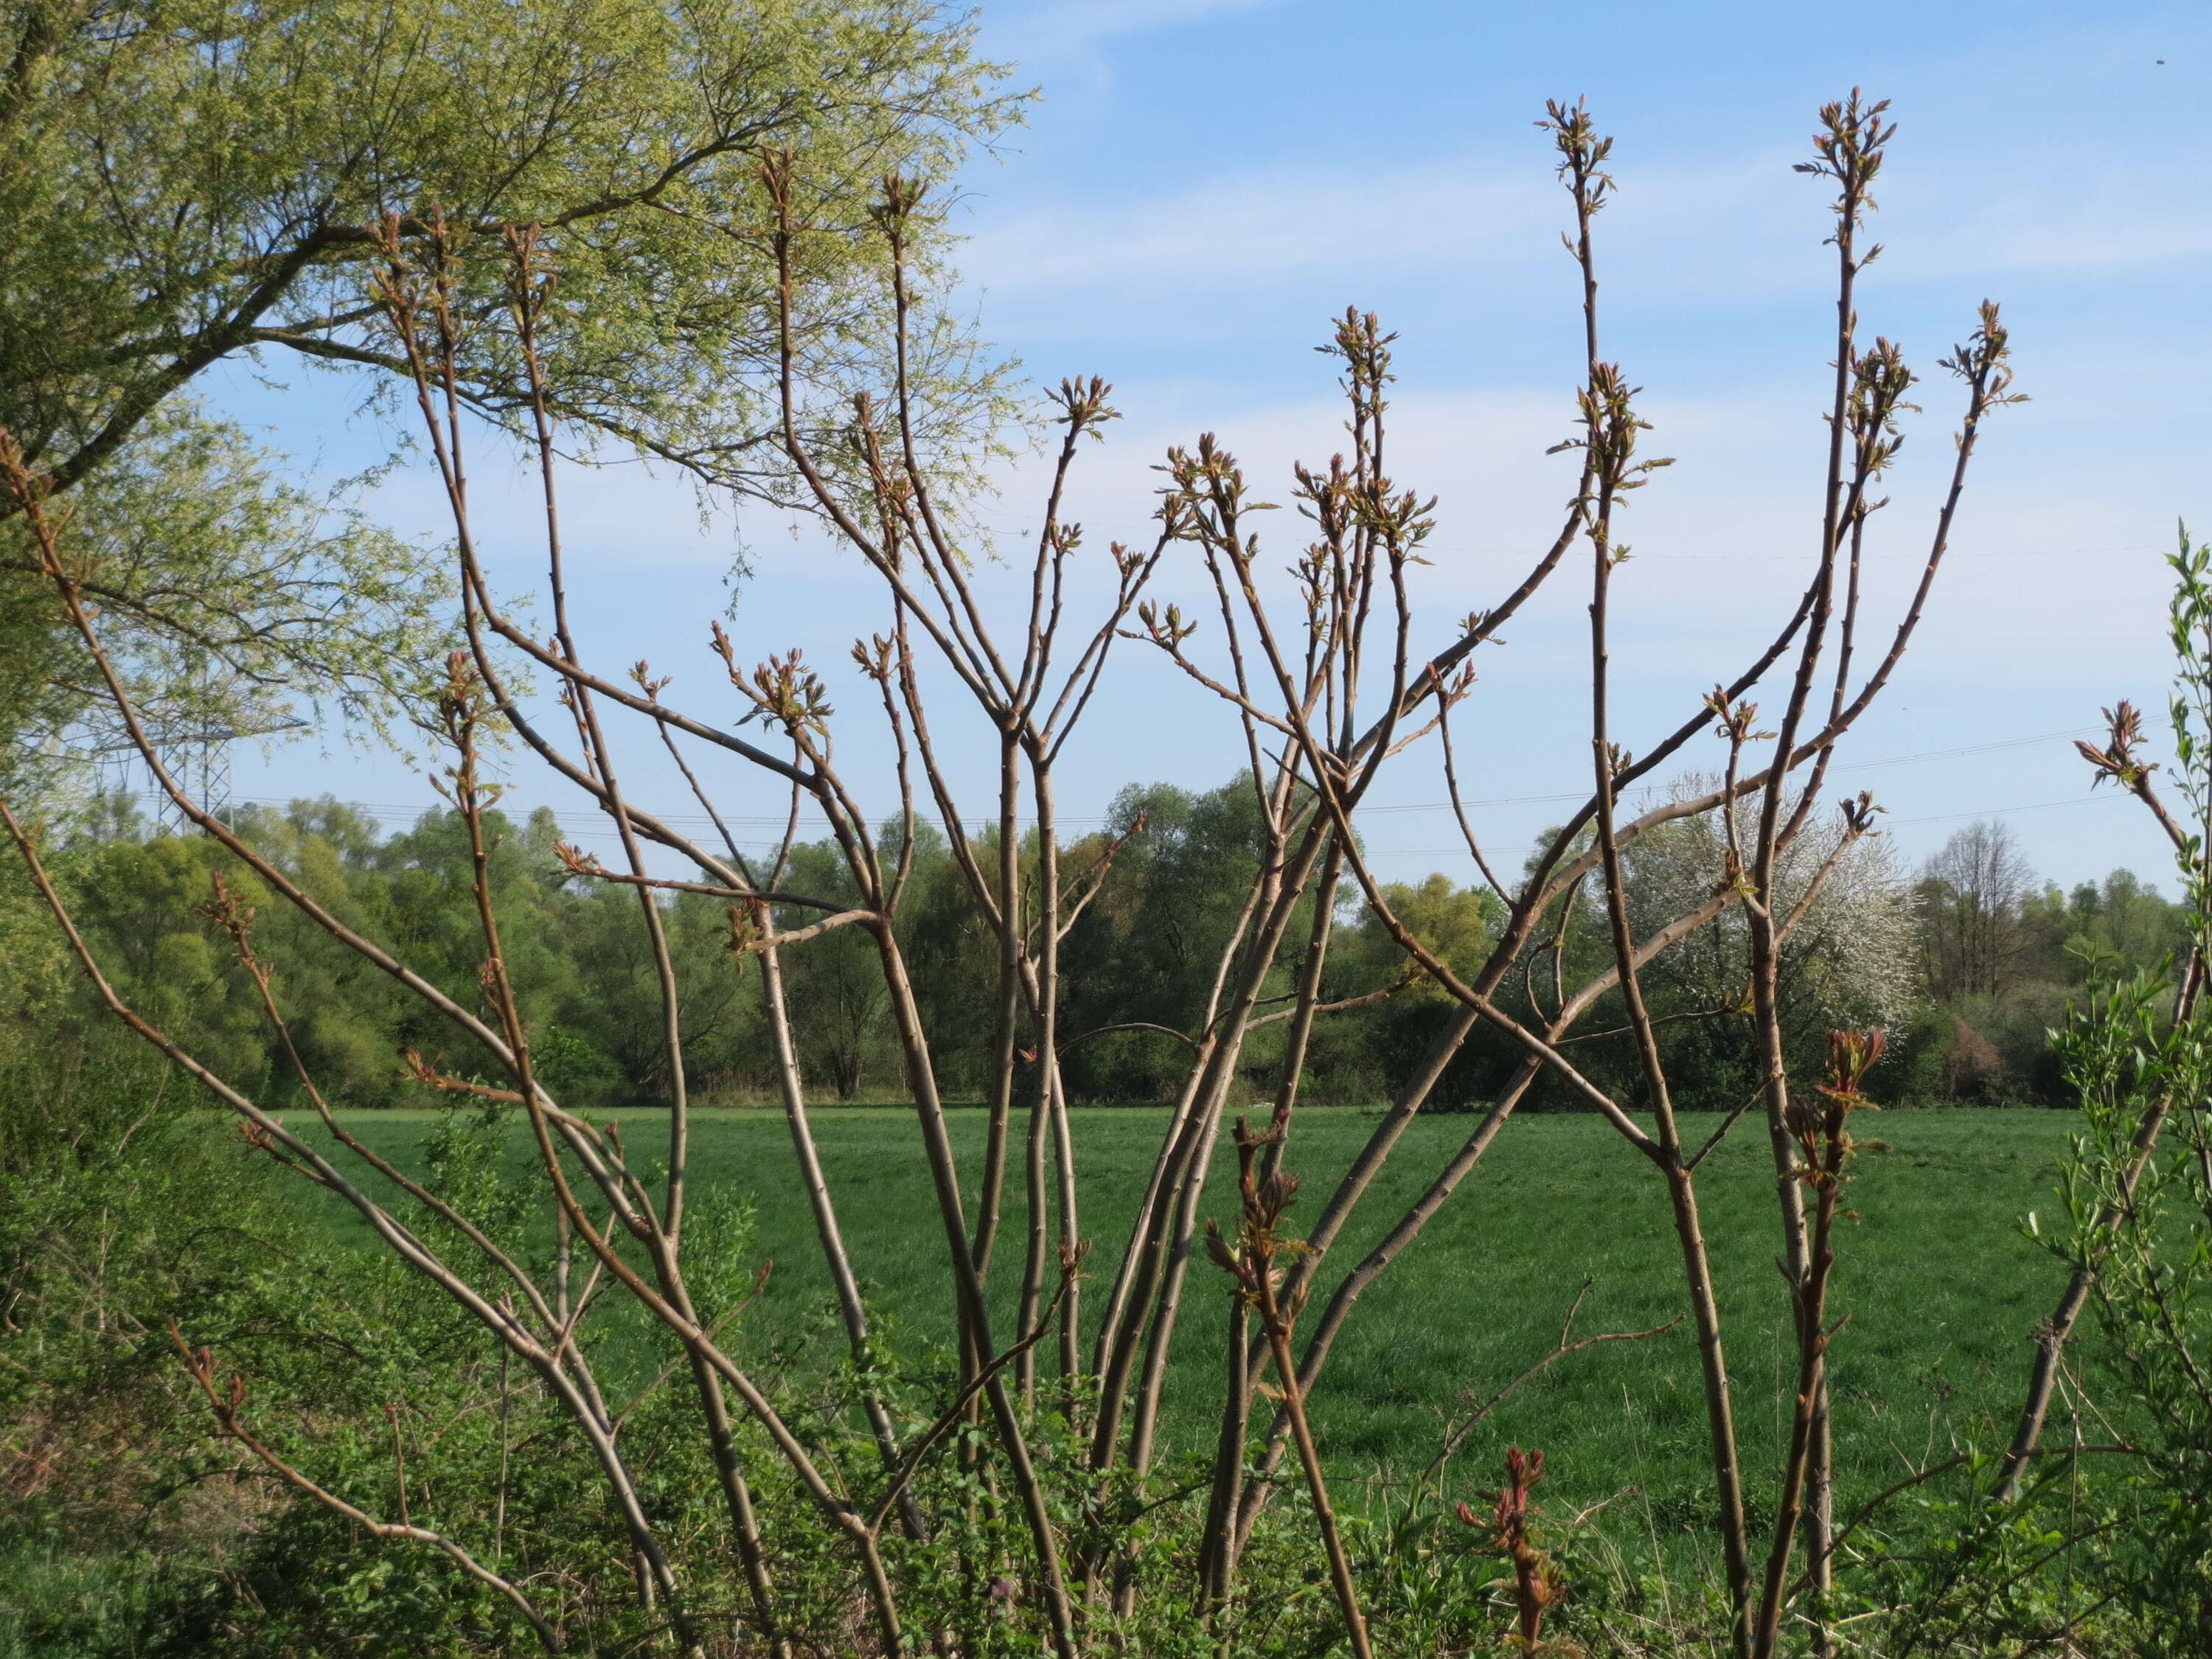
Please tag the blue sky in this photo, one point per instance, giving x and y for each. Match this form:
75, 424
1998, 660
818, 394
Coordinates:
1202, 187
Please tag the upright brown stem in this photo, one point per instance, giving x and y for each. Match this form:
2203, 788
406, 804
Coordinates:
850, 1307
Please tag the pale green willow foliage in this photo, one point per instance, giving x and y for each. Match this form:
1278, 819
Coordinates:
184, 181
227, 599
187, 180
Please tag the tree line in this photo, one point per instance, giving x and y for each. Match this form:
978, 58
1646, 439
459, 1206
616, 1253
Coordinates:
1970, 963
2002, 954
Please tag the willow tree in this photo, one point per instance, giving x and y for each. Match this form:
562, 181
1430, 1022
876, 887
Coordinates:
187, 182
240, 601
190, 182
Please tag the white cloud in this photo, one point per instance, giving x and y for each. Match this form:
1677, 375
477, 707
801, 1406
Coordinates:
1730, 231
1233, 232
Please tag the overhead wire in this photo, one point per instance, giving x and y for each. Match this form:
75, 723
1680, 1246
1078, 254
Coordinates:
392, 812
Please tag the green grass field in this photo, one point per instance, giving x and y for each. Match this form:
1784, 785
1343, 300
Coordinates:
1941, 1286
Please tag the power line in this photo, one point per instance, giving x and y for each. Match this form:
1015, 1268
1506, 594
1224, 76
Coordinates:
1973, 748
1937, 817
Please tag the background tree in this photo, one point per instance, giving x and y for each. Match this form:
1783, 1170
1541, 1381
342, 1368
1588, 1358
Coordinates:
1850, 961
1971, 893
1142, 956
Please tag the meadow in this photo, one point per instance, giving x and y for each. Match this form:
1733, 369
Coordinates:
1937, 1277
